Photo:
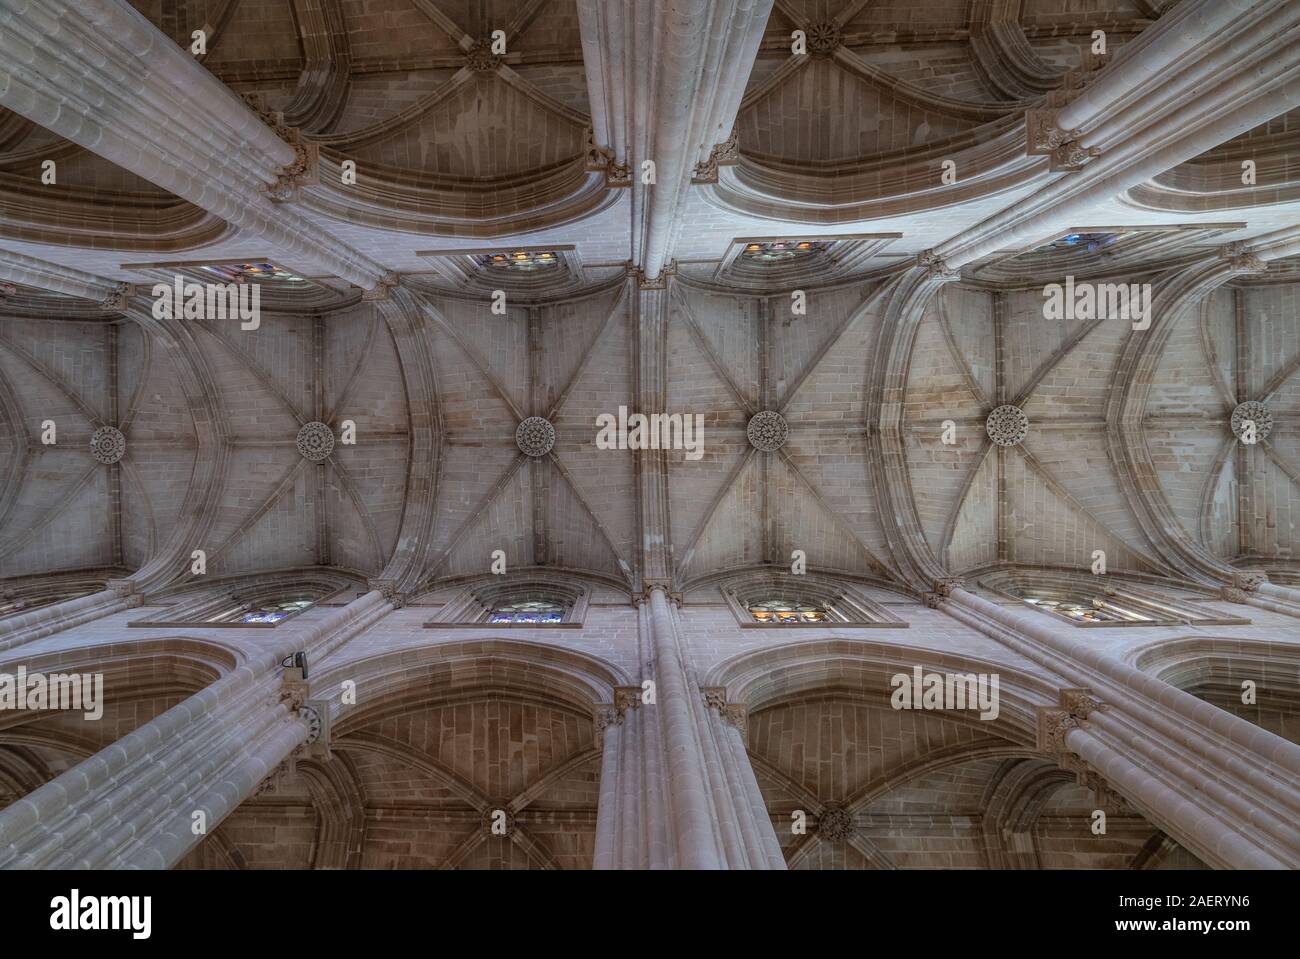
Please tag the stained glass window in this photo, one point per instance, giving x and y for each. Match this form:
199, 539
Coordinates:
1090, 611
244, 272
1092, 242
779, 611
520, 261
533, 611
273, 612
778, 250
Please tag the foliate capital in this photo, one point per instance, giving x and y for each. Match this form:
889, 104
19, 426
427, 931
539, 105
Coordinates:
1042, 134
1247, 263
605, 716
723, 154
1054, 723
715, 697
387, 588
935, 265
1249, 581
625, 698
601, 159
944, 587
119, 297
1072, 155
303, 171
1080, 703
386, 284
1234, 595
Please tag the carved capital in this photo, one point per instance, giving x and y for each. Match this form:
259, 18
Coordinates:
387, 283
1080, 703
1054, 723
944, 587
1072, 155
1249, 580
715, 697
1247, 263
605, 716
1234, 595
386, 587
600, 159
1042, 135
118, 299
734, 714
935, 265
723, 154
933, 600
625, 698
301, 172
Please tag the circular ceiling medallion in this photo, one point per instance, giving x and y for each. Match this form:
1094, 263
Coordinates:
107, 444
767, 431
1254, 412
535, 436
498, 821
835, 824
1007, 425
315, 442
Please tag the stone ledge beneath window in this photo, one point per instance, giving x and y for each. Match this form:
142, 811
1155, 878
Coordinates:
437, 625
888, 624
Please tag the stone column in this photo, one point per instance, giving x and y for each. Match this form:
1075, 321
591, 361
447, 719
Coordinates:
734, 785
44, 621
148, 106
1185, 763
133, 804
665, 83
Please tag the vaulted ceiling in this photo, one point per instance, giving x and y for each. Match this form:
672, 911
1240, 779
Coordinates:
460, 151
